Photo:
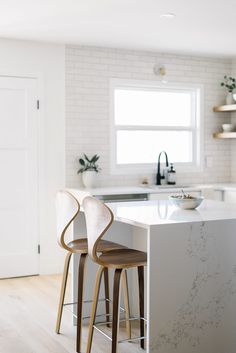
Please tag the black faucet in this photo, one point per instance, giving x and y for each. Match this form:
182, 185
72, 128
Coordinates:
159, 176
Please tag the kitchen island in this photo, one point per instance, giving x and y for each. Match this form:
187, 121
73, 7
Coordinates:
191, 272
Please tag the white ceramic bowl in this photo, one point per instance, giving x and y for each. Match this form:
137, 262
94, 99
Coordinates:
228, 127
186, 204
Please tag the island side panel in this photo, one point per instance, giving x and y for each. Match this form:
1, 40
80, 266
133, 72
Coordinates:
192, 287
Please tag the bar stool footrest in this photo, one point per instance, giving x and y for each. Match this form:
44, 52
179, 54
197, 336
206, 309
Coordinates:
123, 320
90, 301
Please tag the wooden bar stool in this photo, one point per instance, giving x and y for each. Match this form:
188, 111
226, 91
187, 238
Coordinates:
68, 207
98, 219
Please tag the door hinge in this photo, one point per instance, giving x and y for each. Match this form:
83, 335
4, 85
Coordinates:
38, 104
38, 248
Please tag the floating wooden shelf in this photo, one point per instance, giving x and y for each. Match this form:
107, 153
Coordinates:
224, 135
225, 108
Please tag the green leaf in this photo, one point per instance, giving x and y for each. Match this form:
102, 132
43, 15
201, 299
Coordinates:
93, 159
86, 157
97, 158
82, 162
81, 170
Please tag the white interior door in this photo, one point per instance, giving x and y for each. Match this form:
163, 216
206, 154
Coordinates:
18, 177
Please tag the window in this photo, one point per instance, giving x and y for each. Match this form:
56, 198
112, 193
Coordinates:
148, 118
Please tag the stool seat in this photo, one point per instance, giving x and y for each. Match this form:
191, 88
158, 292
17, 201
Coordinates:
81, 246
123, 258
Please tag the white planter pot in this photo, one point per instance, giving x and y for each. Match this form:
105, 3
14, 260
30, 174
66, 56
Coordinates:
229, 98
89, 178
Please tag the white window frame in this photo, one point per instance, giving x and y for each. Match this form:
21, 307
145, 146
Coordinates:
196, 127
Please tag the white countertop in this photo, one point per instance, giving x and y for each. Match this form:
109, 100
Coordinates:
119, 190
152, 189
147, 213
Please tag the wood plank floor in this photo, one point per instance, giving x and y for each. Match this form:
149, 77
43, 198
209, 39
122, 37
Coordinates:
28, 308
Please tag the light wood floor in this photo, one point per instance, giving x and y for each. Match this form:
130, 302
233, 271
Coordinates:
28, 308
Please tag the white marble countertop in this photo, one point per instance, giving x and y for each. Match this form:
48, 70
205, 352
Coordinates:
147, 213
118, 190
152, 189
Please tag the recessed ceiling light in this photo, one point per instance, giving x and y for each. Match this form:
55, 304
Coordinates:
168, 15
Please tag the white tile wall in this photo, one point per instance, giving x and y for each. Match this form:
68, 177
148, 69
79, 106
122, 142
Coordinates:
88, 70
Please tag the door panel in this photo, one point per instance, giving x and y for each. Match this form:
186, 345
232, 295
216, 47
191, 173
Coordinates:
18, 177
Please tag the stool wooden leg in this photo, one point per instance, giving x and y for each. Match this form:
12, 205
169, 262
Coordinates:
141, 302
107, 296
126, 302
94, 308
116, 311
80, 300
63, 291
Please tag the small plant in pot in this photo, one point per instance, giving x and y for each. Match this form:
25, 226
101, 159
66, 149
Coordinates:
89, 170
230, 84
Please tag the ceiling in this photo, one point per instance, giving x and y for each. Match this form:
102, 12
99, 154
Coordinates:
200, 26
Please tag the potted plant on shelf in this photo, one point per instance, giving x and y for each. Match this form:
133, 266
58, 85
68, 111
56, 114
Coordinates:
89, 170
230, 84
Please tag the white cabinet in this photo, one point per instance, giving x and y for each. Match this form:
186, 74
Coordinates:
229, 196
225, 195
219, 195
159, 196
209, 194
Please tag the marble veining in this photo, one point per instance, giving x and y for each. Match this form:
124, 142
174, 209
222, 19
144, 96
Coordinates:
197, 315
197, 246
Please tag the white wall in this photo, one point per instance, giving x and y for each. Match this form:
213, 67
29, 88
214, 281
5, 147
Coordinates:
47, 61
233, 142
88, 70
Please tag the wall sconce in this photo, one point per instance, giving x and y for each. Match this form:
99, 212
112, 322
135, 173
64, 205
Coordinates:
160, 71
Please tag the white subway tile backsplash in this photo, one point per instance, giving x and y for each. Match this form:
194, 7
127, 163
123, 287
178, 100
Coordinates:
88, 71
